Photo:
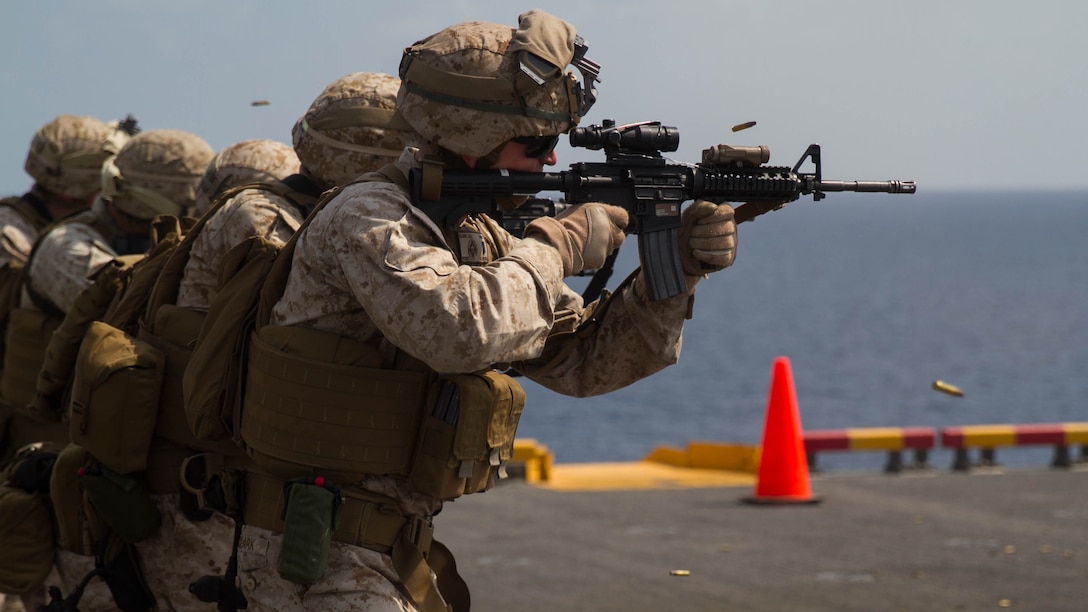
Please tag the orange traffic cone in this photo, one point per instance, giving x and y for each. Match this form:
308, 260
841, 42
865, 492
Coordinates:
783, 468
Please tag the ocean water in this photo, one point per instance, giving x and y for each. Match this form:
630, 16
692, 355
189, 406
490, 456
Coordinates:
872, 297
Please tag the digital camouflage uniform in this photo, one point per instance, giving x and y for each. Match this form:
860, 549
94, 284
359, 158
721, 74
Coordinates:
66, 258
371, 265
154, 173
252, 212
346, 132
65, 158
17, 236
150, 175
242, 163
182, 551
372, 268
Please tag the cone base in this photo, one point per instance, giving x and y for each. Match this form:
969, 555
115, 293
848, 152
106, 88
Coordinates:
781, 501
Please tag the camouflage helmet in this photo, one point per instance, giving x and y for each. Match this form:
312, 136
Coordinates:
66, 155
473, 86
352, 128
249, 161
156, 172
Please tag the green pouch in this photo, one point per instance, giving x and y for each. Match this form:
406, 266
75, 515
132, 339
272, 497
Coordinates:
311, 513
121, 501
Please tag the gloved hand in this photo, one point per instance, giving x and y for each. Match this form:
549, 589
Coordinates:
708, 239
584, 234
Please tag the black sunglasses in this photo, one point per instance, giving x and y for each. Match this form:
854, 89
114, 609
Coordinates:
537, 146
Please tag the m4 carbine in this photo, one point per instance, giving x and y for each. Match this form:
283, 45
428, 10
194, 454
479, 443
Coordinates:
638, 178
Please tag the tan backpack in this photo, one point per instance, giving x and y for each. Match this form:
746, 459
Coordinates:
215, 377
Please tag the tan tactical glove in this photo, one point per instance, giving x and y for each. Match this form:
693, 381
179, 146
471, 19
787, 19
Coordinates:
584, 234
708, 239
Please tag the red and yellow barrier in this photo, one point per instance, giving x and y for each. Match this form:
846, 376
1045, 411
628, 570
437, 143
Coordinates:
894, 440
987, 438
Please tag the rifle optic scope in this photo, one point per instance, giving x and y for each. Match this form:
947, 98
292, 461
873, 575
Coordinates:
722, 155
641, 137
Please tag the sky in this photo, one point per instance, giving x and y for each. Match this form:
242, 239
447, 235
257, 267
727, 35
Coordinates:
956, 95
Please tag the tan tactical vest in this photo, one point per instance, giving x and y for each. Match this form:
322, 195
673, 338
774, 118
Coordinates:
320, 403
26, 340
126, 405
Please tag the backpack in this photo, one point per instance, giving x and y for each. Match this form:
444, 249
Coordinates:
215, 377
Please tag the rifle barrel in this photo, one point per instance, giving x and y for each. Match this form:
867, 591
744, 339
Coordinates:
867, 186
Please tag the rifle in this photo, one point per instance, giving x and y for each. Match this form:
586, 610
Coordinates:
638, 178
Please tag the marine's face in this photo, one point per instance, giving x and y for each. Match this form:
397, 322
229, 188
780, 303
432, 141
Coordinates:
513, 156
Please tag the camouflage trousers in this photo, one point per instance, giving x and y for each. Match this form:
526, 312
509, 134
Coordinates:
182, 551
357, 579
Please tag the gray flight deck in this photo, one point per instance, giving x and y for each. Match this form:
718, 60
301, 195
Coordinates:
915, 541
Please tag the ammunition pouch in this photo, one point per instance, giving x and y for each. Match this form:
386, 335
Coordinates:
468, 435
115, 397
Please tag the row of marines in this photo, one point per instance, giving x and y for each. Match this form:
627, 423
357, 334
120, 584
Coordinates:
252, 378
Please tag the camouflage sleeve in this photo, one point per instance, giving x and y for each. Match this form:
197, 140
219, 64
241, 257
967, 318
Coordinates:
249, 213
456, 318
610, 343
16, 236
371, 264
255, 213
66, 259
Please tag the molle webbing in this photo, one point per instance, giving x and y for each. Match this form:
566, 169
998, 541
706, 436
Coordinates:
311, 412
26, 343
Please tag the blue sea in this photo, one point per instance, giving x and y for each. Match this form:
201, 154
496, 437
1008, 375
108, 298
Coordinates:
871, 297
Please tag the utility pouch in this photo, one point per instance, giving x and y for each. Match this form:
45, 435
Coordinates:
115, 397
311, 513
468, 435
122, 502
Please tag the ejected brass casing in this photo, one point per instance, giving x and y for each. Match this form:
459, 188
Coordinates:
943, 387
